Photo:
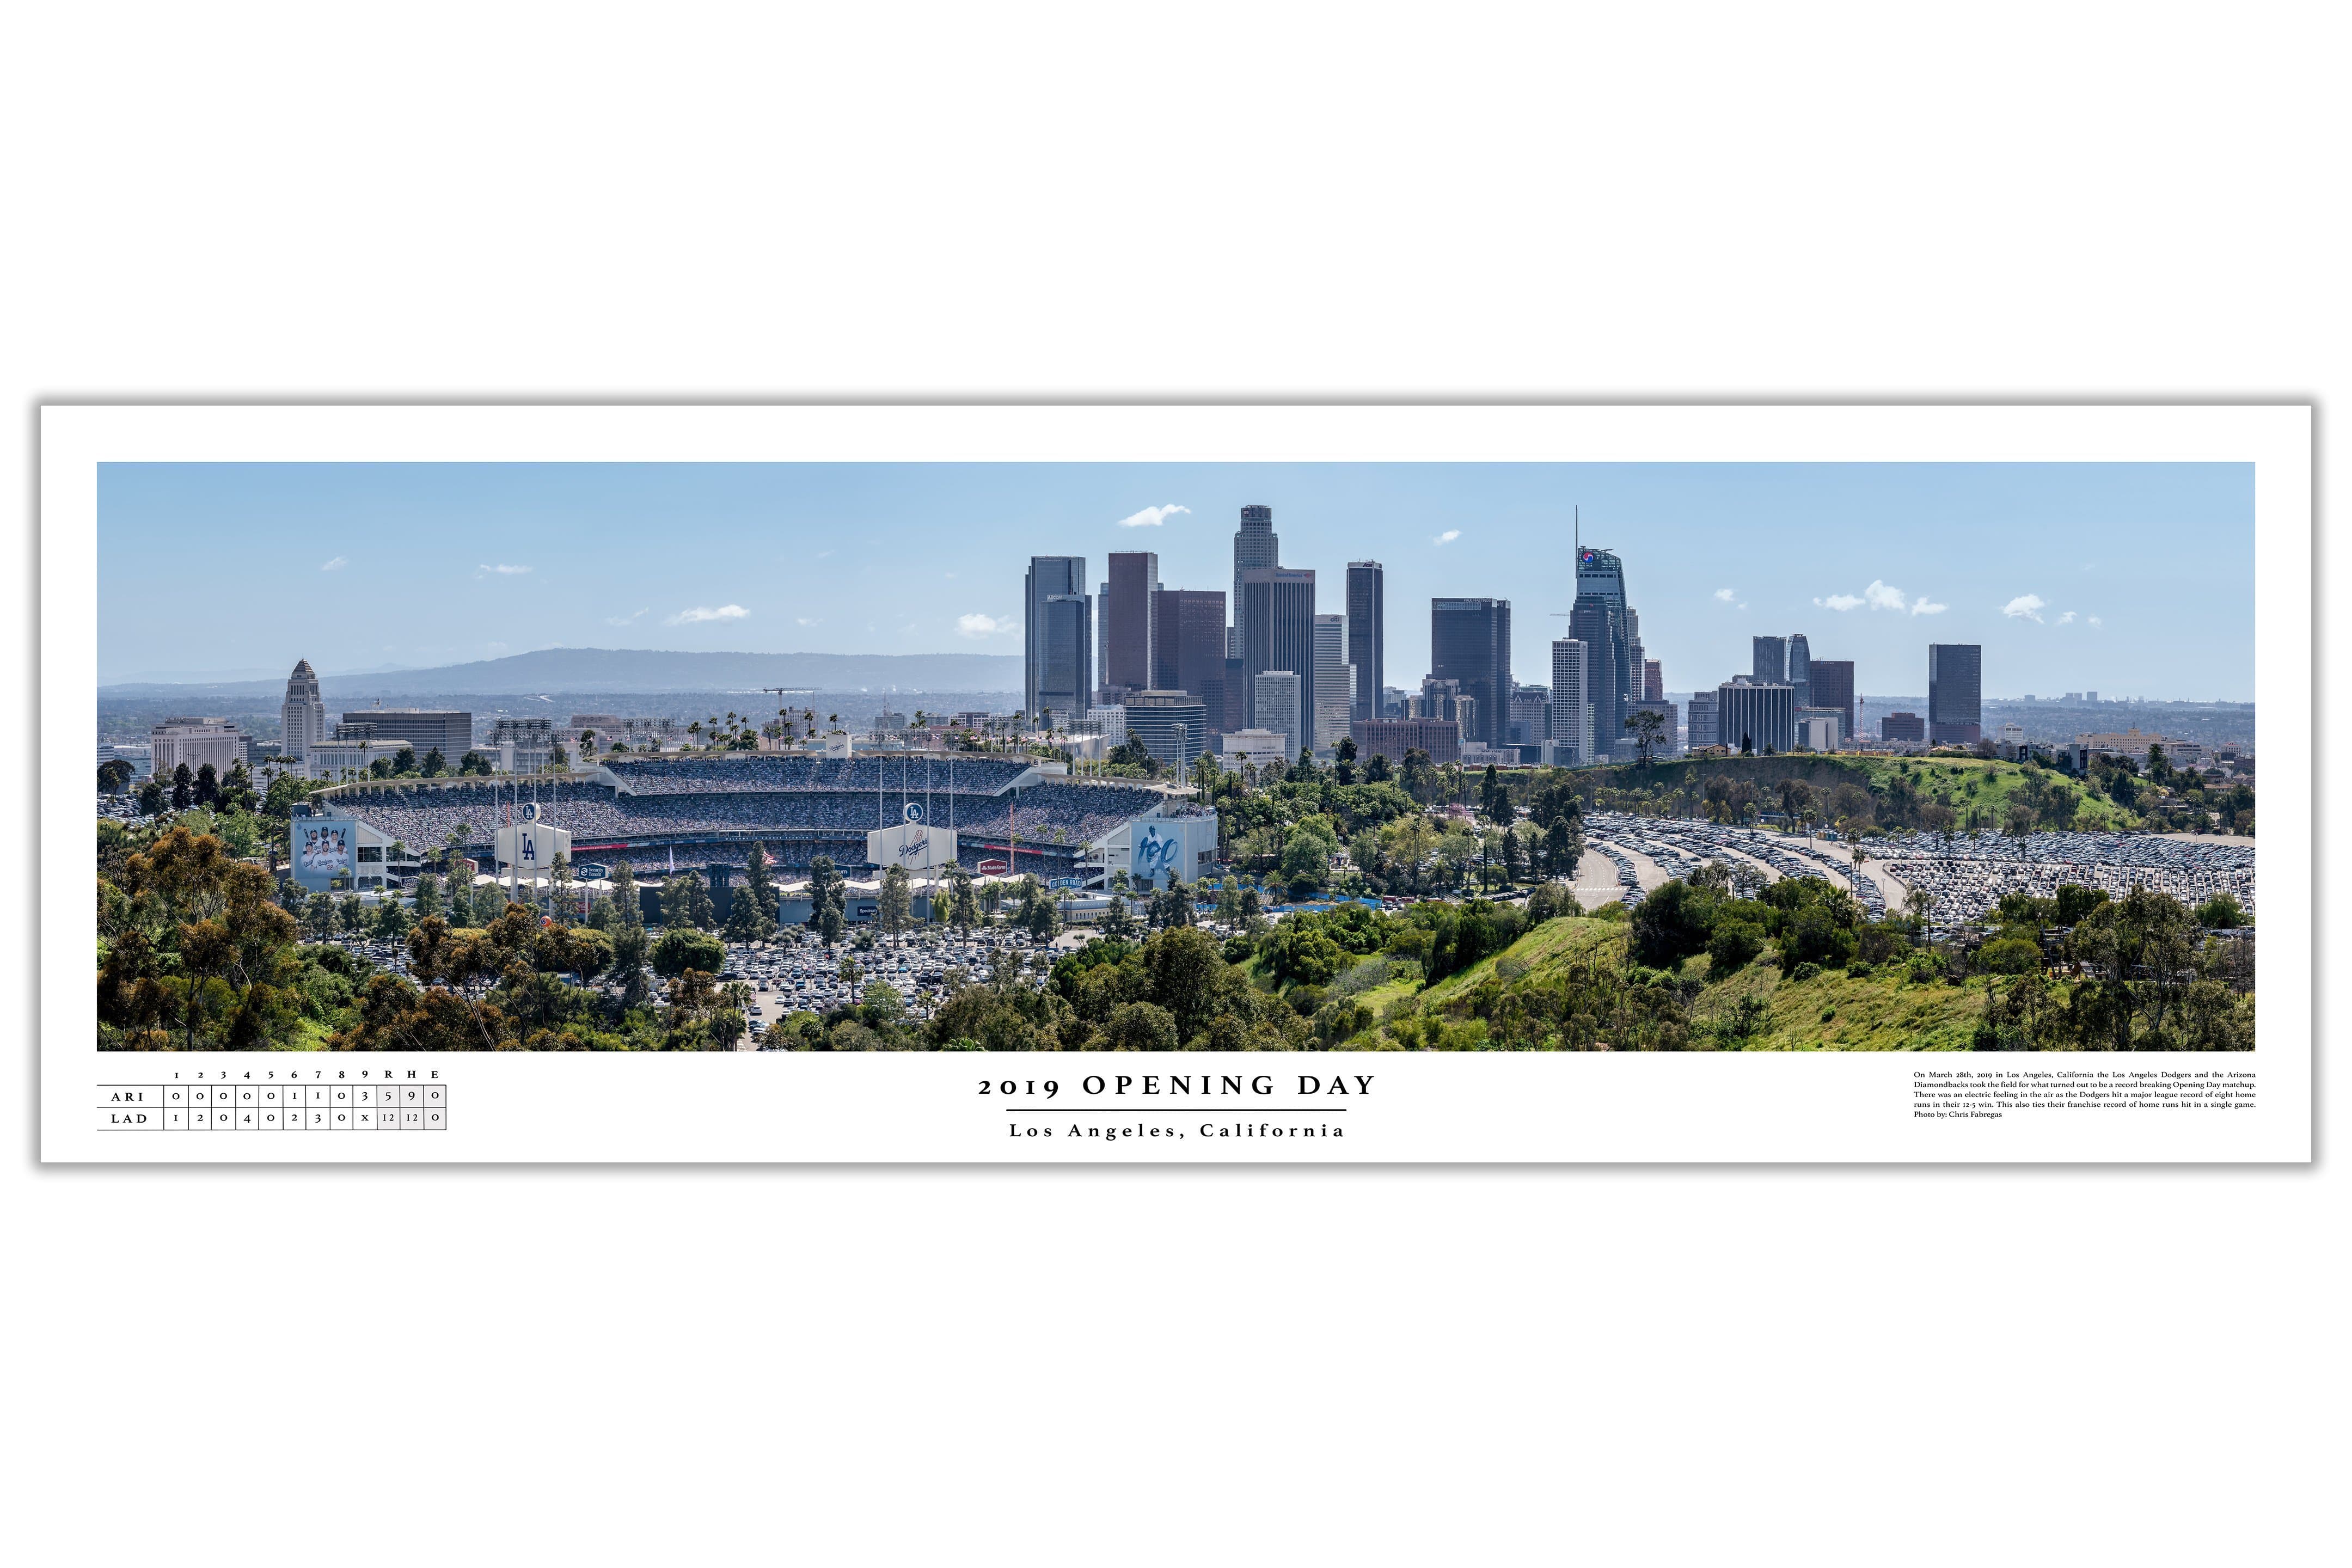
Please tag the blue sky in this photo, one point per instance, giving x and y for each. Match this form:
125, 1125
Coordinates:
2130, 579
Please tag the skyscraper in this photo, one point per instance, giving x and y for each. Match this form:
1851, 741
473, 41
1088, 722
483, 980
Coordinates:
1636, 658
1171, 726
1599, 619
1188, 648
1470, 642
1653, 681
1256, 548
1757, 715
1768, 659
1134, 579
1955, 693
1702, 728
1276, 704
1102, 633
1056, 674
1368, 633
1571, 702
1801, 668
1833, 687
1334, 705
304, 714
1278, 614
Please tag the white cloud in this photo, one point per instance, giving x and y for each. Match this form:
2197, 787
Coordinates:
337, 565
805, 620
623, 620
2096, 622
1840, 602
1920, 606
703, 613
984, 626
1725, 595
2024, 607
2066, 617
1879, 597
503, 570
1448, 537
1152, 516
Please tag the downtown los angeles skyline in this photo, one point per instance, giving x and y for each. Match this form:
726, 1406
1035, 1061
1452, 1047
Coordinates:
2130, 579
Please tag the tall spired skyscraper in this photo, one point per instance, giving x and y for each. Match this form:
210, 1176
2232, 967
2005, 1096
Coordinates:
1600, 620
304, 715
1256, 548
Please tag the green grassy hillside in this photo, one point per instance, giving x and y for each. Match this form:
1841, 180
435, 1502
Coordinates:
1883, 1011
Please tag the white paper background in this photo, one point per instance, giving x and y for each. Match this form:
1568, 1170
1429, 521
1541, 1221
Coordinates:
1818, 1366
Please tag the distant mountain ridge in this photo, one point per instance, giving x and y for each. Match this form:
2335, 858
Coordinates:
653, 670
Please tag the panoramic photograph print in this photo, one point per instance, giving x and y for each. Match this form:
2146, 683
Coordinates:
1175, 757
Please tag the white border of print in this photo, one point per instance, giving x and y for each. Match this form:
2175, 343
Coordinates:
925, 1107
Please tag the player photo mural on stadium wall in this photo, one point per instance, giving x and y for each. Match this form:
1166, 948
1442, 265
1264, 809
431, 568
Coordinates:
326, 848
1154, 852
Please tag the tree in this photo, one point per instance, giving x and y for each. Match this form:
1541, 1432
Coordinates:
319, 916
428, 895
1042, 917
743, 921
434, 763
894, 906
1205, 772
1494, 798
571, 950
628, 962
682, 948
828, 900
1419, 776
1645, 726
1306, 856
2220, 913
1562, 848
1411, 838
113, 776
759, 886
963, 907
626, 903
182, 787
686, 901
151, 797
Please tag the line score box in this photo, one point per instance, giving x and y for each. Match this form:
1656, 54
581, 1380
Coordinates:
273, 1107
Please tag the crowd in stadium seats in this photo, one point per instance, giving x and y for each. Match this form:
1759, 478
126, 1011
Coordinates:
756, 774
677, 797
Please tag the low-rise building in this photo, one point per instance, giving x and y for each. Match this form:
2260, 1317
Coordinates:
1392, 737
193, 742
1237, 749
